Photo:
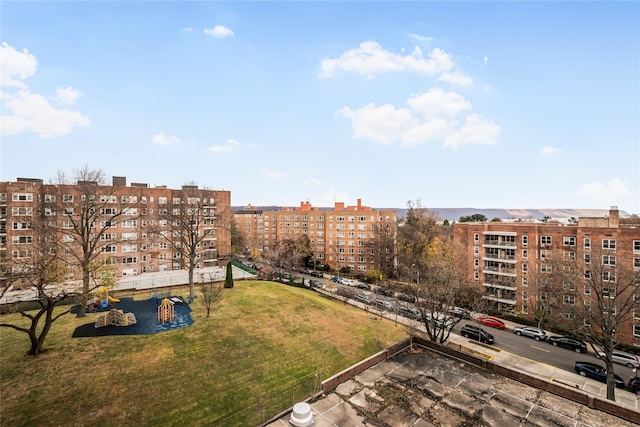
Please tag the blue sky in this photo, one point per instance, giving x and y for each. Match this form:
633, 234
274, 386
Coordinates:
456, 104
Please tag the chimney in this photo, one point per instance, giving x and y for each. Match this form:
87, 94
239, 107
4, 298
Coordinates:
614, 217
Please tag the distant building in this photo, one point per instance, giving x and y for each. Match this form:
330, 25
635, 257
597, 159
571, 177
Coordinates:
128, 244
342, 237
508, 256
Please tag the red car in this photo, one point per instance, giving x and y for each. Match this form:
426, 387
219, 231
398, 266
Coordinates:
491, 322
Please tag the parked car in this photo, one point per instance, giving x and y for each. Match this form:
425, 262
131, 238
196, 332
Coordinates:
384, 304
365, 299
596, 372
628, 359
383, 291
347, 282
478, 334
410, 312
316, 273
491, 322
531, 332
634, 384
460, 313
406, 297
336, 279
569, 343
315, 284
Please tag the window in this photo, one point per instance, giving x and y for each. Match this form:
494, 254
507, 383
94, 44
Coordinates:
109, 249
108, 199
545, 268
569, 241
545, 240
545, 253
609, 244
67, 198
636, 263
587, 274
525, 267
129, 260
525, 253
476, 237
636, 246
587, 259
21, 240
636, 330
569, 256
609, 276
67, 224
15, 211
587, 243
525, 281
609, 293
609, 260
476, 262
162, 200
49, 198
129, 223
22, 197
525, 240
476, 250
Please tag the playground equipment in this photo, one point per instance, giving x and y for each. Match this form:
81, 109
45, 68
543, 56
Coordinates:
116, 318
157, 296
166, 311
105, 298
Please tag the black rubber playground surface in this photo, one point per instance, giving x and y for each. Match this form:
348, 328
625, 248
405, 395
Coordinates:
146, 313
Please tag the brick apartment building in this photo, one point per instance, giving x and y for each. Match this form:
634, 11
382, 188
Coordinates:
341, 237
507, 256
128, 244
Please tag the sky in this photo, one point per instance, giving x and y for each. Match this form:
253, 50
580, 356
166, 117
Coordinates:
513, 105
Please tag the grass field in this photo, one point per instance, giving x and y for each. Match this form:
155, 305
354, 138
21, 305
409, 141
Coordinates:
265, 347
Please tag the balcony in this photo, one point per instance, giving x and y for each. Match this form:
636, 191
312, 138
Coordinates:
502, 271
501, 257
498, 244
504, 299
500, 285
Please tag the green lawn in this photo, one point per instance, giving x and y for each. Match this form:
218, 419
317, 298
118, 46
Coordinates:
265, 347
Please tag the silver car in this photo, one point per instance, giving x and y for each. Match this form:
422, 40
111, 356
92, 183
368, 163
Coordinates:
531, 332
628, 359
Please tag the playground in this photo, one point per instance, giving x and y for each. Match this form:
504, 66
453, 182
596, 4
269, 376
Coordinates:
125, 316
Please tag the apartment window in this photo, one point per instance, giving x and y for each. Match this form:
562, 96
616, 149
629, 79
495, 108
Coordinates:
587, 274
569, 299
476, 237
67, 224
476, 250
609, 260
609, 244
525, 253
21, 226
545, 253
130, 211
525, 309
609, 276
476, 263
587, 243
163, 245
129, 260
587, 290
109, 249
636, 330
108, 199
525, 240
569, 241
21, 240
476, 275
129, 236
545, 240
545, 268
22, 197
569, 256
608, 293
525, 267
636, 263
49, 198
108, 236
636, 246
129, 223
525, 282
587, 259
21, 211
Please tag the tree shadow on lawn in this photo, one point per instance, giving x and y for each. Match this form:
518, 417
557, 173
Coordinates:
146, 313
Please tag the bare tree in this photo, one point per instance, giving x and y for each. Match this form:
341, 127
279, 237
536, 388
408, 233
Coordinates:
211, 293
383, 247
85, 213
238, 240
45, 271
189, 226
601, 291
282, 256
427, 257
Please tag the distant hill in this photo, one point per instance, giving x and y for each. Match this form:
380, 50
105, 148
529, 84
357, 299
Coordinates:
454, 214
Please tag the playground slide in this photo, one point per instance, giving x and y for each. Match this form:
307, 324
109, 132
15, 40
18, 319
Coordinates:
112, 299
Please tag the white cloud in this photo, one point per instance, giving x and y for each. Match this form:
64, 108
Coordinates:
429, 117
606, 192
219, 31
30, 111
313, 181
436, 102
486, 59
381, 124
26, 111
15, 64
420, 38
475, 130
456, 78
187, 30
67, 96
162, 139
370, 59
272, 173
227, 147
547, 151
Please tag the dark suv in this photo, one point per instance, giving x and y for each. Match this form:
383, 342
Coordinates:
477, 334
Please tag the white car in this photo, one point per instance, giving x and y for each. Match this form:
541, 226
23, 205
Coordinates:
628, 359
347, 282
531, 332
